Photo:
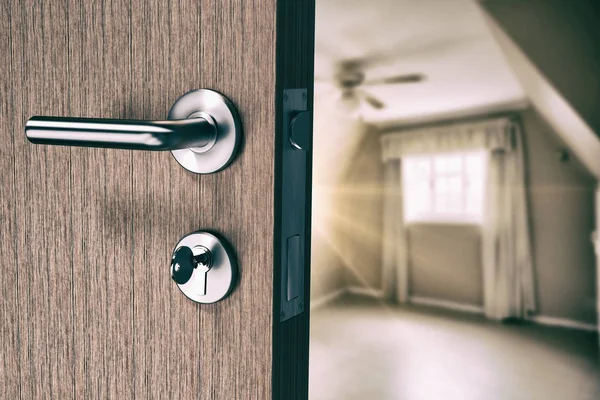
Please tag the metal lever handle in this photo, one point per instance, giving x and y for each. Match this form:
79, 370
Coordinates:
121, 134
203, 132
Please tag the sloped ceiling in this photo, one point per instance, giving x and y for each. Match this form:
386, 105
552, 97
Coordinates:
553, 48
446, 40
562, 40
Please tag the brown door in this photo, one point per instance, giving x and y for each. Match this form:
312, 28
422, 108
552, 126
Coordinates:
88, 308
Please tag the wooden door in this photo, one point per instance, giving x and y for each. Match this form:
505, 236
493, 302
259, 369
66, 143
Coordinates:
88, 308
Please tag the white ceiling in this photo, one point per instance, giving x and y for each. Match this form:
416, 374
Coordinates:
447, 40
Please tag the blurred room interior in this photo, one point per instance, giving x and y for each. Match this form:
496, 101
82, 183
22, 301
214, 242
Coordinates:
455, 200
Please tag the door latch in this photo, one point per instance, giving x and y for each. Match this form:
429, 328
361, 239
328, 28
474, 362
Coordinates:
297, 130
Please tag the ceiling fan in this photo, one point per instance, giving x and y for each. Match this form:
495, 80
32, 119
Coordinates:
350, 74
350, 78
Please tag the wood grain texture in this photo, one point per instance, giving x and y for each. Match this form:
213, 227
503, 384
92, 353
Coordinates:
42, 216
9, 306
295, 69
89, 309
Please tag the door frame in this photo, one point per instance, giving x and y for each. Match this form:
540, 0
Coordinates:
295, 50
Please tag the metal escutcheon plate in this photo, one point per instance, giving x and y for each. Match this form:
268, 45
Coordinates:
220, 112
220, 279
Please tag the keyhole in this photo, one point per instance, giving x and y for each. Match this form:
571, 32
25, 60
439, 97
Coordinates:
203, 261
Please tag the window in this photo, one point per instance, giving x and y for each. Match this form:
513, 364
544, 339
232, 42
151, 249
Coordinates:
444, 187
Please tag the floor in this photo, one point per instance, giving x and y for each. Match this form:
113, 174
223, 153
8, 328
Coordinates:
364, 349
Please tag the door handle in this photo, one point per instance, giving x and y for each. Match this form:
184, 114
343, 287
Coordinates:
203, 132
121, 133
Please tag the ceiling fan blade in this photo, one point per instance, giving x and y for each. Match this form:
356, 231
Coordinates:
392, 80
372, 101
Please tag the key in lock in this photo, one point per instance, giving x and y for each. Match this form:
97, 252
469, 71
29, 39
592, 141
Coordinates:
187, 262
204, 268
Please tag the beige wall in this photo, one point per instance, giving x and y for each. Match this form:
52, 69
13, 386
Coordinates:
561, 199
445, 262
326, 268
331, 160
360, 205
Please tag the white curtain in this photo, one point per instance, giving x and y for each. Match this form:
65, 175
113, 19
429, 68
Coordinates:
507, 267
509, 288
446, 138
395, 247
